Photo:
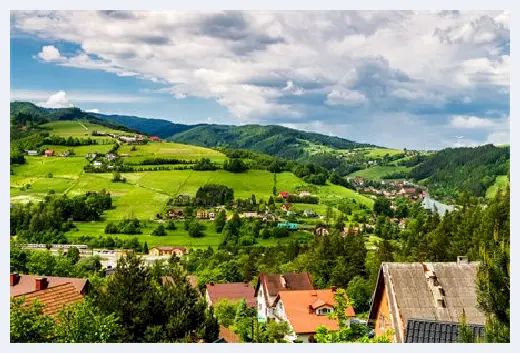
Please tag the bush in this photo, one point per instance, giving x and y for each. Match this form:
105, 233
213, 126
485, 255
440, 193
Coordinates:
171, 225
235, 165
159, 231
280, 232
195, 230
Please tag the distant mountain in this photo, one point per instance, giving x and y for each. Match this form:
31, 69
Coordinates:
270, 139
148, 126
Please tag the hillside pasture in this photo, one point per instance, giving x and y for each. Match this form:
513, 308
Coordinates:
169, 150
378, 172
78, 128
501, 183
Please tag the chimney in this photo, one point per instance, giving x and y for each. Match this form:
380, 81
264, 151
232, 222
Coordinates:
311, 310
334, 289
41, 283
462, 260
211, 283
14, 278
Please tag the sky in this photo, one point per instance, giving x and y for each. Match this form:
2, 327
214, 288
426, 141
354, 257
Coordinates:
421, 80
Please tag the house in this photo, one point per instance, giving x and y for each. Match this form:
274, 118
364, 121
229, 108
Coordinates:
174, 213
249, 215
167, 251
306, 310
155, 138
291, 213
98, 164
111, 156
309, 212
304, 194
202, 213
32, 152
49, 153
212, 215
430, 331
351, 229
321, 230
435, 291
269, 217
283, 194
359, 181
407, 191
54, 298
65, 154
225, 335
290, 226
286, 206
25, 284
435, 206
91, 155
231, 291
270, 285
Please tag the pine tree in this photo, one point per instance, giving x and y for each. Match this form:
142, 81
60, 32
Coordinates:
145, 248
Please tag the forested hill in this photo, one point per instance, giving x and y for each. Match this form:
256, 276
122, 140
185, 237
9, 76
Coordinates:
148, 126
30, 115
273, 140
471, 169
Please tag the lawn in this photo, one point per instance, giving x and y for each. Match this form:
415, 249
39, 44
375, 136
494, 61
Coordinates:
178, 237
380, 152
170, 150
78, 128
378, 172
501, 183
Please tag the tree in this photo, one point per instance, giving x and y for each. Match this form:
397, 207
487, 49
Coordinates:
465, 335
245, 320
85, 323
225, 311
170, 225
220, 221
382, 207
211, 327
273, 332
29, 324
345, 332
145, 248
235, 165
159, 231
359, 293
195, 230
73, 254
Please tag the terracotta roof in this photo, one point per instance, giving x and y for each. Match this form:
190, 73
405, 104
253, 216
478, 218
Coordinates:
227, 335
274, 283
27, 284
296, 305
169, 248
232, 291
54, 298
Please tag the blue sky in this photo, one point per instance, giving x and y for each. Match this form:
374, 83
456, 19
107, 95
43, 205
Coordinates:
398, 79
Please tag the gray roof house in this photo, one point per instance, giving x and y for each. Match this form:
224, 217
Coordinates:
434, 205
430, 291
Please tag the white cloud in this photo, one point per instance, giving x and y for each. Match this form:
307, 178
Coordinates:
295, 66
57, 100
346, 98
92, 111
78, 96
471, 122
50, 53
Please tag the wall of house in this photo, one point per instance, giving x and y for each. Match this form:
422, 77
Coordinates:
154, 252
261, 304
383, 319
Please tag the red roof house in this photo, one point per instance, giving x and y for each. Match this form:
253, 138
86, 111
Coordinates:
23, 284
283, 194
231, 291
154, 138
49, 153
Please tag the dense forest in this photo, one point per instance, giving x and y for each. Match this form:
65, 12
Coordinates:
453, 170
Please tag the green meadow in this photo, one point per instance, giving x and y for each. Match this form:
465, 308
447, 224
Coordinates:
501, 183
378, 172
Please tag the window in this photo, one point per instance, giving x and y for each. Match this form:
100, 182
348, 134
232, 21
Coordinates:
260, 293
259, 306
324, 311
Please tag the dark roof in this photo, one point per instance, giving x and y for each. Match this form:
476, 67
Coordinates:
429, 331
27, 284
231, 291
273, 283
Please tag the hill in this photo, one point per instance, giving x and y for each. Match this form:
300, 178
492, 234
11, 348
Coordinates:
273, 140
454, 170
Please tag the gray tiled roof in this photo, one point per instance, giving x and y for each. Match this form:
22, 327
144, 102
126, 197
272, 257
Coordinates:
431, 204
429, 331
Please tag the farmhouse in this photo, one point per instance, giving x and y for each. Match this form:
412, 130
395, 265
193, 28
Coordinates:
290, 226
168, 251
98, 164
32, 152
202, 213
111, 156
306, 310
283, 194
231, 291
49, 153
286, 206
155, 138
65, 154
270, 285
304, 194
249, 215
212, 215
91, 155
309, 212
321, 230
408, 294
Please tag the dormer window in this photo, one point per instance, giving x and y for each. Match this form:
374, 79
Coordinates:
323, 311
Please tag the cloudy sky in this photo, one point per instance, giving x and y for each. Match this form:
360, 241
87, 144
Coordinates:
397, 79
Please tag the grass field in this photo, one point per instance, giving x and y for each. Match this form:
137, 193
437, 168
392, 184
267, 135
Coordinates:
78, 128
178, 237
501, 183
378, 172
170, 150
378, 152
